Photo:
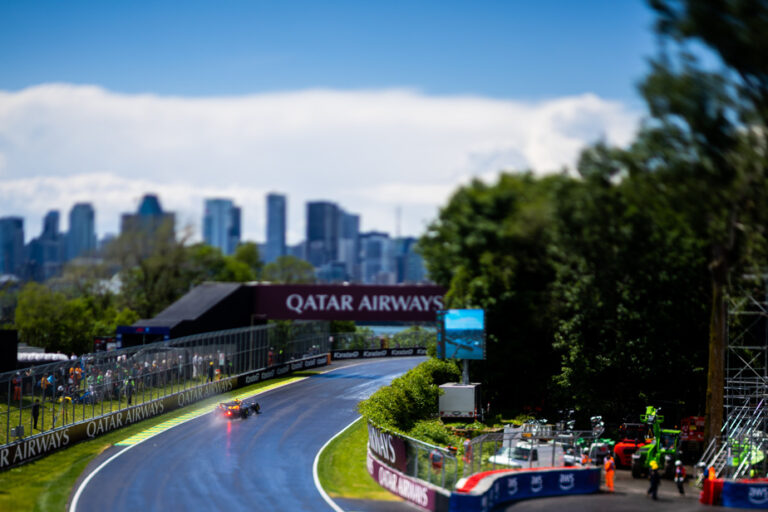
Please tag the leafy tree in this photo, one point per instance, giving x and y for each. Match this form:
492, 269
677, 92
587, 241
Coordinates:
289, 270
628, 308
715, 126
248, 254
48, 319
490, 248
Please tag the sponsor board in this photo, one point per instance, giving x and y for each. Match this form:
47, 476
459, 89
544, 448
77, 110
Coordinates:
350, 302
410, 489
744, 494
518, 485
384, 352
43, 444
388, 447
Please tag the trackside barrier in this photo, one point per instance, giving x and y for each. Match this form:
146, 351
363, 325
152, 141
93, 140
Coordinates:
420, 493
744, 493
37, 446
384, 352
487, 490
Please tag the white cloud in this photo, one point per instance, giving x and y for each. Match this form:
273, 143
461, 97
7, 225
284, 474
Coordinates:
370, 151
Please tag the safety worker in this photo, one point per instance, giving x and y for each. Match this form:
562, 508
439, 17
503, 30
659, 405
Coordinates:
585, 460
680, 476
610, 469
467, 451
712, 475
436, 459
654, 478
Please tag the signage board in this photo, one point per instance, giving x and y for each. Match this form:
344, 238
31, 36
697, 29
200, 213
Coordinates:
461, 334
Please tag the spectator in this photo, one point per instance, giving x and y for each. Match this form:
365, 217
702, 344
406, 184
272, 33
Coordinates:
35, 413
17, 387
210, 372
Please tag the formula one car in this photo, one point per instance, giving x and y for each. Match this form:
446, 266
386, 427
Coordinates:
238, 409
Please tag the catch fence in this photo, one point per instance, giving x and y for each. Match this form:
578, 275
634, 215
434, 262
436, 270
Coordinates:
43, 398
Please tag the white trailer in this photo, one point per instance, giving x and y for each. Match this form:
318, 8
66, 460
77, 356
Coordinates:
460, 401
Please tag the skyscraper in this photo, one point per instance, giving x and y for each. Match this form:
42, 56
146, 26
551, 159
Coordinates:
221, 225
349, 244
322, 232
377, 265
276, 227
81, 238
46, 252
149, 219
11, 245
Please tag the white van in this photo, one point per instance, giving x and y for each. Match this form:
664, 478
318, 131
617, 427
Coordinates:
528, 454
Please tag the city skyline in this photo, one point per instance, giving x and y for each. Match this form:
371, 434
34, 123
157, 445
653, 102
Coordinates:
381, 107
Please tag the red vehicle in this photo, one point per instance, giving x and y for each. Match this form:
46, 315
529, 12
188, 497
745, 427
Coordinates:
632, 436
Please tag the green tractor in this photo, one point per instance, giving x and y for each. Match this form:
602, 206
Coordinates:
664, 449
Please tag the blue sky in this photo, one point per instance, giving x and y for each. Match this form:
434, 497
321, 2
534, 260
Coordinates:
105, 94
502, 49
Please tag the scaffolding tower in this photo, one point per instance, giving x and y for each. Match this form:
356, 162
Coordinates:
739, 451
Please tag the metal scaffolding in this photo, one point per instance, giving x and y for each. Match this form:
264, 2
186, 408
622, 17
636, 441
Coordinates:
739, 450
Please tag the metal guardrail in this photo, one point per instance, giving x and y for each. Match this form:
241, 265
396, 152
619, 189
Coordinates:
42, 398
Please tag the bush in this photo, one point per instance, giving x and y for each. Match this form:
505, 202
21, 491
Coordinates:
434, 432
411, 397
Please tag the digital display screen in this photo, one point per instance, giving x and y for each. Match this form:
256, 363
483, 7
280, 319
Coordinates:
461, 334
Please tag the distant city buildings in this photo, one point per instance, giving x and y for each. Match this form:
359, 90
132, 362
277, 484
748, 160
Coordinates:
11, 245
221, 225
333, 244
276, 228
149, 220
81, 239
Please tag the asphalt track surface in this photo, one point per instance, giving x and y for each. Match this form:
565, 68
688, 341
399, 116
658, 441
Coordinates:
261, 463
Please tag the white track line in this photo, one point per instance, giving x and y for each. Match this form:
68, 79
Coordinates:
320, 489
76, 497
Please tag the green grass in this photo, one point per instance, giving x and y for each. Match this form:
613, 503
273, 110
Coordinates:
342, 471
45, 484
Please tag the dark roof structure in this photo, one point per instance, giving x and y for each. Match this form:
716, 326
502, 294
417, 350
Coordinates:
207, 307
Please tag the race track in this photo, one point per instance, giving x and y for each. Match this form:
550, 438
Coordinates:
262, 463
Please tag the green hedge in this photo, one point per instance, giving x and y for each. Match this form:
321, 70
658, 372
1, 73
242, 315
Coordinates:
411, 398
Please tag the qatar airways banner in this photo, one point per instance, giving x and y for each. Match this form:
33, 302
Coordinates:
413, 490
396, 303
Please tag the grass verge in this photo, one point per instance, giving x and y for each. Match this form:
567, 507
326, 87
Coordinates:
342, 471
44, 485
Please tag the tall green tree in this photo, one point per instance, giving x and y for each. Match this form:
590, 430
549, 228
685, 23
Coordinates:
490, 248
714, 124
48, 319
628, 295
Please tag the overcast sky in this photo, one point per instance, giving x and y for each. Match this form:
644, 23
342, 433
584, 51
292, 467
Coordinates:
377, 106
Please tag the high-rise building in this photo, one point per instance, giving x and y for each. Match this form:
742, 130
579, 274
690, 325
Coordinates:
221, 225
377, 265
409, 263
46, 253
276, 228
81, 238
149, 220
349, 245
322, 232
11, 245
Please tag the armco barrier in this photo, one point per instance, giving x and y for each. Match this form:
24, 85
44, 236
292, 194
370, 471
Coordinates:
745, 494
413, 490
384, 352
504, 486
43, 444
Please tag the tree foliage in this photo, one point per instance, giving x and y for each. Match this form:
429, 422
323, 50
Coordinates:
289, 270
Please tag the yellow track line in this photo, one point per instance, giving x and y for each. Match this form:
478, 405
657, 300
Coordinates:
199, 411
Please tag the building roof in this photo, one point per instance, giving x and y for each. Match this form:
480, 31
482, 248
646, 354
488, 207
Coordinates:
191, 306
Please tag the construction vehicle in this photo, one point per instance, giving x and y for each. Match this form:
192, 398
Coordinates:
663, 449
632, 436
